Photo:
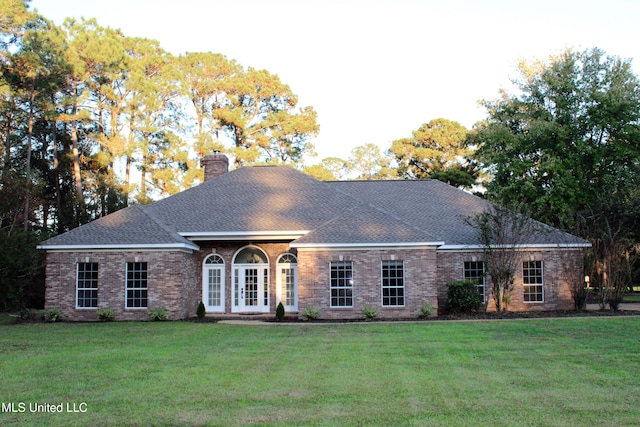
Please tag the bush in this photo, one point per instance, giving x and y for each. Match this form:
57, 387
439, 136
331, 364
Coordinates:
158, 313
106, 314
280, 312
369, 312
200, 311
52, 314
463, 297
311, 313
426, 310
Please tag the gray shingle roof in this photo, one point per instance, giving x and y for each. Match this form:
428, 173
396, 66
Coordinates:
437, 207
280, 198
129, 227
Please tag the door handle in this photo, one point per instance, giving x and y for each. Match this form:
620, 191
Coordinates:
242, 293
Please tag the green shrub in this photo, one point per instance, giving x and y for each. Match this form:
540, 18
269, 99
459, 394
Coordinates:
158, 313
52, 314
280, 312
200, 311
426, 310
463, 297
106, 314
369, 312
311, 313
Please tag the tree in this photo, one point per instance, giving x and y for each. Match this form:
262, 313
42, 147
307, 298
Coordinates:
206, 79
330, 169
565, 136
567, 145
502, 231
263, 122
155, 114
436, 150
38, 73
368, 163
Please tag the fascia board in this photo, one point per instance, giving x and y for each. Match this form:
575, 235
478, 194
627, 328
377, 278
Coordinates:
361, 246
146, 247
244, 235
517, 247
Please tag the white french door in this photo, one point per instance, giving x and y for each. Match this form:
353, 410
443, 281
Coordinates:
251, 288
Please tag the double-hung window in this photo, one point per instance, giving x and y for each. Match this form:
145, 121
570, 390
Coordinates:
392, 283
87, 285
341, 284
474, 272
136, 285
532, 281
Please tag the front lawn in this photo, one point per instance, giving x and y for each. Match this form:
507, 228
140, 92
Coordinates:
546, 372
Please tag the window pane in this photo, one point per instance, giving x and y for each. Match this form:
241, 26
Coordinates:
474, 272
136, 285
87, 285
393, 283
532, 281
341, 284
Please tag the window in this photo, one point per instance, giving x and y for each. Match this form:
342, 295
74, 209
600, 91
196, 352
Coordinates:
287, 282
213, 283
87, 285
392, 283
341, 284
474, 272
136, 285
532, 281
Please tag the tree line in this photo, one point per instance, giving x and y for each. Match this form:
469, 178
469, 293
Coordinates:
92, 120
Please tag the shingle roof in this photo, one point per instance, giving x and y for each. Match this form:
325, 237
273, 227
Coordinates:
129, 227
435, 206
280, 198
426, 204
262, 198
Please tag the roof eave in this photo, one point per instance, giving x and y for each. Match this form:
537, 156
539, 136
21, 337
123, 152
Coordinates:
287, 235
360, 246
518, 247
115, 247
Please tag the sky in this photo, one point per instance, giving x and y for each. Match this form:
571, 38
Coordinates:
375, 70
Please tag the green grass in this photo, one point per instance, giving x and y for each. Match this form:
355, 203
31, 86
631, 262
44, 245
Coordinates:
546, 372
631, 298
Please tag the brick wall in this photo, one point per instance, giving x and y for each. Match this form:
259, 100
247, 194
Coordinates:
419, 281
170, 283
175, 279
561, 267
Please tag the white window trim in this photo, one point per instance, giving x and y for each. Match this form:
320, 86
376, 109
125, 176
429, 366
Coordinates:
484, 277
404, 286
264, 275
280, 292
126, 286
533, 284
78, 288
342, 287
205, 284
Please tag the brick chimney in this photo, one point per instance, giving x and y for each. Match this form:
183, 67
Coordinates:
215, 164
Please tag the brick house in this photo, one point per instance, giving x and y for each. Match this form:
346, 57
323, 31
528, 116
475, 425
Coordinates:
245, 240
